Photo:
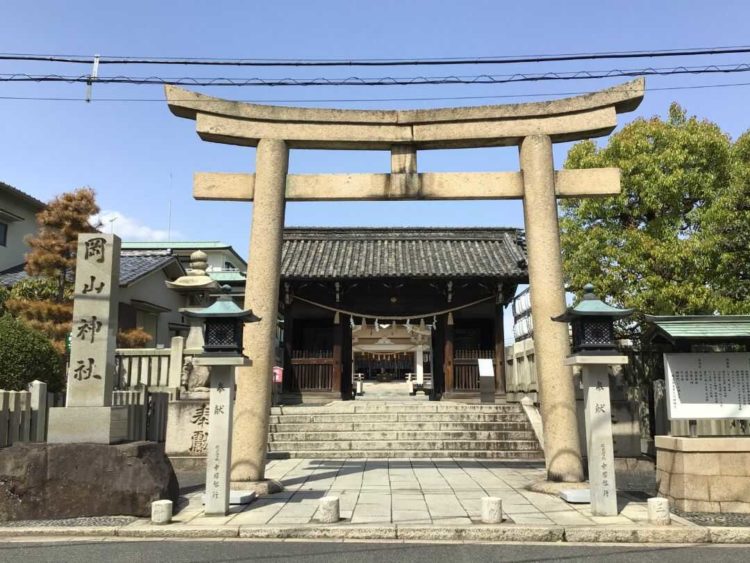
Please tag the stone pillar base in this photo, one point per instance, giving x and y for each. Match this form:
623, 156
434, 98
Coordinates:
261, 488
704, 474
92, 425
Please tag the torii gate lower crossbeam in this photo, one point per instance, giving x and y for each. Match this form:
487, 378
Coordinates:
532, 127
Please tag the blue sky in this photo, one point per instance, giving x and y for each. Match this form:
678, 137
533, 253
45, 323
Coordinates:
140, 158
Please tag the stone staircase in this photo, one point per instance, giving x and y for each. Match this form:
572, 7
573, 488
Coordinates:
357, 429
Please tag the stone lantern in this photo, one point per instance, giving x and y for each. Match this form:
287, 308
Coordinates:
222, 349
224, 322
594, 352
593, 324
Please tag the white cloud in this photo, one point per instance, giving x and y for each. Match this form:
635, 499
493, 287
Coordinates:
130, 229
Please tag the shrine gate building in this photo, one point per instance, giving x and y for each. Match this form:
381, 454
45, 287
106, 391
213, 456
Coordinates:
375, 302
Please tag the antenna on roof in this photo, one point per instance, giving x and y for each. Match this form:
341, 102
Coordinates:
169, 211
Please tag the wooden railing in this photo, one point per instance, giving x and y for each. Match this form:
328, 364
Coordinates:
466, 368
312, 370
150, 367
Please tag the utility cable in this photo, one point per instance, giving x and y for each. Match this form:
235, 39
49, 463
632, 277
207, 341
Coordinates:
448, 61
378, 81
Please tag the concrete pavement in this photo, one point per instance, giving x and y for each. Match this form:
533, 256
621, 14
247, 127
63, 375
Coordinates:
403, 499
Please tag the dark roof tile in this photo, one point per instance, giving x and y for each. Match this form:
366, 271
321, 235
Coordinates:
317, 253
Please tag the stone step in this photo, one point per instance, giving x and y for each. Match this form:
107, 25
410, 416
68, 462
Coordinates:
395, 435
511, 456
378, 426
400, 417
435, 446
391, 407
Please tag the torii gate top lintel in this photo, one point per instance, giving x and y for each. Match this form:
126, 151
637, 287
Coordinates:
567, 119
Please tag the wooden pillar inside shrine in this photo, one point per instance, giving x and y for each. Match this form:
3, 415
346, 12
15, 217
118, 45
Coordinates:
346, 358
499, 350
337, 353
448, 353
288, 380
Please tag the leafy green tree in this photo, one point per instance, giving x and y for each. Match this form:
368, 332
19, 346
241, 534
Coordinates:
728, 235
659, 246
26, 355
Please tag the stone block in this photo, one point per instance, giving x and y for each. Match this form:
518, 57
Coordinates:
492, 510
92, 425
49, 481
730, 489
689, 486
737, 464
729, 535
576, 496
671, 534
658, 511
741, 507
328, 510
161, 511
187, 428
698, 463
689, 505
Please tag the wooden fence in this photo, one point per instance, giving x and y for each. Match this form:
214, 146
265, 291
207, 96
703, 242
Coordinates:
466, 368
24, 414
311, 371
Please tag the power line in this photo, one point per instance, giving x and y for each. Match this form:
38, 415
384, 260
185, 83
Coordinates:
448, 61
378, 81
355, 100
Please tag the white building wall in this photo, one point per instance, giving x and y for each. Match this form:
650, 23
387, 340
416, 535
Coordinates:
153, 290
13, 253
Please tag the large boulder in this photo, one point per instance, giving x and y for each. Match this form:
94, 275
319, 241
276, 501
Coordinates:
48, 481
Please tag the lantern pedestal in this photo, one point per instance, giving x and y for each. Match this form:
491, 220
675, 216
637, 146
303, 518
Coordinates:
598, 417
219, 451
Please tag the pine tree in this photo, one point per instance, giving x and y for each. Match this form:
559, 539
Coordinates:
44, 301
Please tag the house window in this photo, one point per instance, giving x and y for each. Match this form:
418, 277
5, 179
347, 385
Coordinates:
3, 234
149, 322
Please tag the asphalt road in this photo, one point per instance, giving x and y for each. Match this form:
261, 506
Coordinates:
352, 552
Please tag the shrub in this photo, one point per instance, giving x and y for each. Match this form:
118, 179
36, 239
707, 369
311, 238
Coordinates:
4, 295
133, 338
26, 355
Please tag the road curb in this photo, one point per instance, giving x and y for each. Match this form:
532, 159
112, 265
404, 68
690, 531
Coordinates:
476, 533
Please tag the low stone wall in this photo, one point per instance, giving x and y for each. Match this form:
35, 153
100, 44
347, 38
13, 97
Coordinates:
704, 474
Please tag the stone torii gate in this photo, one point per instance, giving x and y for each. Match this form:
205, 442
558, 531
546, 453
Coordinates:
533, 127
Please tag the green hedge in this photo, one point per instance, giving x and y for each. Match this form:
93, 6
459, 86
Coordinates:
26, 355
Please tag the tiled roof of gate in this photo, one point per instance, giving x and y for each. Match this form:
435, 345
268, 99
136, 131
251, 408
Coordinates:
355, 253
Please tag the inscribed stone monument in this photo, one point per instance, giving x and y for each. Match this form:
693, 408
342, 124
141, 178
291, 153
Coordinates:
88, 415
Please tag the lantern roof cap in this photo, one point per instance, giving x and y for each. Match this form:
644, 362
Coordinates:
591, 306
223, 307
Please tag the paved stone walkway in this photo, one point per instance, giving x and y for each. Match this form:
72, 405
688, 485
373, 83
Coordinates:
413, 492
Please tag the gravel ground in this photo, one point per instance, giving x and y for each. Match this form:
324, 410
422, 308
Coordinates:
728, 519
72, 522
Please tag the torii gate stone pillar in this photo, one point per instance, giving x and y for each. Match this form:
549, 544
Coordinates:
532, 127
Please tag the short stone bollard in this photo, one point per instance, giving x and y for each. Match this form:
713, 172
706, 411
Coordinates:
658, 511
492, 510
328, 510
161, 512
